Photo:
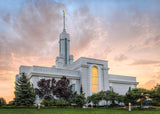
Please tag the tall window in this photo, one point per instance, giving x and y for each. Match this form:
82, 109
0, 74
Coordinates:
94, 74
65, 50
73, 88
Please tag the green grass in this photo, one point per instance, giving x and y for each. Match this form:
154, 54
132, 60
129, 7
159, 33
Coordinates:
73, 111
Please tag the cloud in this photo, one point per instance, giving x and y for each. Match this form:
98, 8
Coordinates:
148, 85
87, 35
120, 57
152, 41
30, 36
156, 76
34, 28
144, 62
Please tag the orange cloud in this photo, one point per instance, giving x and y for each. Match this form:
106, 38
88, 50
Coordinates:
129, 41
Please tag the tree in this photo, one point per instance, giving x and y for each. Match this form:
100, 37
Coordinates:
95, 98
63, 89
108, 96
24, 92
46, 88
11, 103
2, 101
81, 90
120, 98
136, 95
155, 95
79, 99
129, 89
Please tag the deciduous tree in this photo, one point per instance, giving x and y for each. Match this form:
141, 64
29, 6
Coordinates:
63, 89
46, 88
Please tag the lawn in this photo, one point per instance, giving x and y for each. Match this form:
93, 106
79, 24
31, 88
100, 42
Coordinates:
73, 111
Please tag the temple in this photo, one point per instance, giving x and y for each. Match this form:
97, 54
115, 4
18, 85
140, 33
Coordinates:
92, 74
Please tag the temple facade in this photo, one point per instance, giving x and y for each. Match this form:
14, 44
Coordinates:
92, 74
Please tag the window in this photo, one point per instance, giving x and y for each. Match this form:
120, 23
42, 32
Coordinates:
73, 88
94, 75
65, 50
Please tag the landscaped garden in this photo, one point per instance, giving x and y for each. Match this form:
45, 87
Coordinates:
69, 102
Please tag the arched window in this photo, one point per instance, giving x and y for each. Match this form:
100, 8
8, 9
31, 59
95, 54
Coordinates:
94, 75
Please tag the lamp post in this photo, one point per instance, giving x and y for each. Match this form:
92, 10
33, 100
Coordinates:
129, 106
39, 105
141, 99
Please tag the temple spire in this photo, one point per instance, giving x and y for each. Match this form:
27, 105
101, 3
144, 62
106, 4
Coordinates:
64, 21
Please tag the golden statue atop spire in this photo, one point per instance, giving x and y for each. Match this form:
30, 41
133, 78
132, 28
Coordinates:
63, 20
63, 13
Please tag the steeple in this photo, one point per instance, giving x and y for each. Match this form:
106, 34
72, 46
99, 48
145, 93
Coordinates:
64, 21
64, 57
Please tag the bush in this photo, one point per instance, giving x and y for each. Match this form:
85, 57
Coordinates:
139, 108
46, 102
17, 107
11, 103
80, 100
2, 101
60, 103
54, 102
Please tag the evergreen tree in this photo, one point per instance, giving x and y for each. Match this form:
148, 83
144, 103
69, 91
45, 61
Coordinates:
81, 90
24, 92
129, 90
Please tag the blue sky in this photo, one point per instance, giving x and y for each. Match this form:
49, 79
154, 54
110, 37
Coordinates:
126, 33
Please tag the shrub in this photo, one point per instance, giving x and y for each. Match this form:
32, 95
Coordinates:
46, 102
80, 100
61, 103
2, 101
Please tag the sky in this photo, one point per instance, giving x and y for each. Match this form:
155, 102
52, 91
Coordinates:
126, 33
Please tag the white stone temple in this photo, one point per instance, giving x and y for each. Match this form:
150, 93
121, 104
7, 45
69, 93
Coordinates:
92, 74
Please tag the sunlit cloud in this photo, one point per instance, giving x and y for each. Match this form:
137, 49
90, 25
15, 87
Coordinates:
126, 35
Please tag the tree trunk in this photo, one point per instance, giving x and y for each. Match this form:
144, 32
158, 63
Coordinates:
106, 103
141, 103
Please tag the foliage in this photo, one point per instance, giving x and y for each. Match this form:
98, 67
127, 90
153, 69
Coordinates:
79, 99
60, 102
24, 92
136, 95
108, 96
81, 90
2, 101
95, 98
11, 103
155, 95
129, 89
120, 98
63, 89
47, 102
46, 88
